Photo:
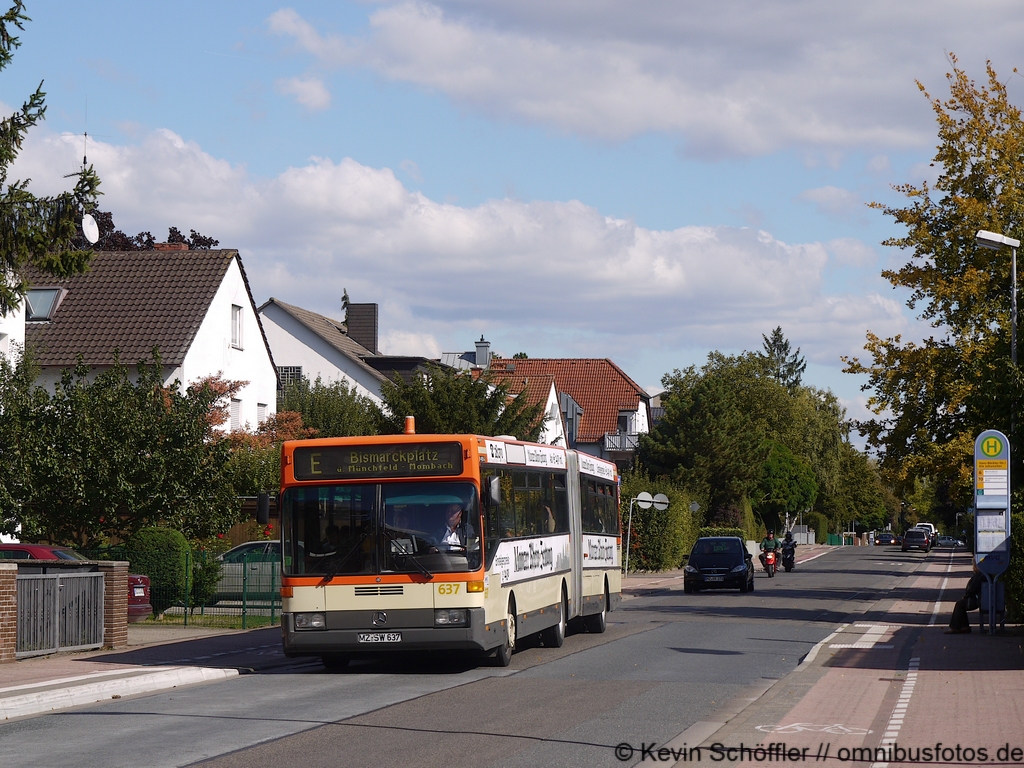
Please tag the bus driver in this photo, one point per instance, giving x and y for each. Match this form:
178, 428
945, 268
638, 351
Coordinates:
454, 534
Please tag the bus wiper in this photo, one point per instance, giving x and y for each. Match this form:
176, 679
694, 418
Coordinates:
411, 557
335, 564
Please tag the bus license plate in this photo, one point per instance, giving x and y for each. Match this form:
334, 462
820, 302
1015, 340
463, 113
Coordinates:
714, 578
380, 637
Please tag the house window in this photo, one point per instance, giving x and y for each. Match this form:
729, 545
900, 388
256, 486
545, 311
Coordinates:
41, 303
289, 374
236, 414
261, 412
236, 326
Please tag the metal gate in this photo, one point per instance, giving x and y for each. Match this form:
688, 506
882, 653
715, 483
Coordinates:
59, 612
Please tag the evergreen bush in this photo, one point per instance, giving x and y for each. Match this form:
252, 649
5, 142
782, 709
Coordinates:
161, 554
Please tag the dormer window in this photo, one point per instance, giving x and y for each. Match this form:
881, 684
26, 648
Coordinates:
42, 303
236, 326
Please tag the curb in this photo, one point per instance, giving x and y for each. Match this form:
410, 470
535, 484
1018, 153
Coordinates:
56, 698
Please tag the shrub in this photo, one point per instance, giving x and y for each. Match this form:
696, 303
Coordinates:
819, 524
659, 539
1014, 576
206, 571
161, 554
722, 532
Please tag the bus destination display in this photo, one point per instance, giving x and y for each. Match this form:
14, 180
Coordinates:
370, 461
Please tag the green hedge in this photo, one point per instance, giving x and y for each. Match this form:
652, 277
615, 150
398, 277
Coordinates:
819, 524
723, 532
161, 554
1014, 577
659, 540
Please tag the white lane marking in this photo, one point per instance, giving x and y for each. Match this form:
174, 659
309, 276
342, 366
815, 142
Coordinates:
811, 654
869, 640
892, 730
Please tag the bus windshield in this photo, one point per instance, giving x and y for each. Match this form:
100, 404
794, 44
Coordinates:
400, 527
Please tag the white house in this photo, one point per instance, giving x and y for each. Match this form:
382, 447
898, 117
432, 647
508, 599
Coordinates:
12, 330
195, 307
310, 345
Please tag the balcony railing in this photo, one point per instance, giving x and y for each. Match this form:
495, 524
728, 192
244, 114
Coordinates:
621, 441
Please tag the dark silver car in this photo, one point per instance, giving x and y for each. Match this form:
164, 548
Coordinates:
719, 562
916, 538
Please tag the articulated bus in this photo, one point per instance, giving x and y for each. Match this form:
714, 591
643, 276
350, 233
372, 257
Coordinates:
417, 542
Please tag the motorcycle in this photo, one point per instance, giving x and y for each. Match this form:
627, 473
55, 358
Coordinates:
769, 563
788, 556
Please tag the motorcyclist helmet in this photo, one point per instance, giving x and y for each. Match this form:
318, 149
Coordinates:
771, 534
789, 536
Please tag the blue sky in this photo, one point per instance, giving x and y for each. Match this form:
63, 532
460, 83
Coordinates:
645, 182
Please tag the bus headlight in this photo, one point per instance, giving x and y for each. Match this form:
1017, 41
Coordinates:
310, 621
451, 617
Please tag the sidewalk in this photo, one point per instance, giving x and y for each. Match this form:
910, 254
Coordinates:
891, 689
47, 683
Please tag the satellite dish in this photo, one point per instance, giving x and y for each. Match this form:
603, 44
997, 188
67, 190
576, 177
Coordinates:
661, 502
90, 228
644, 500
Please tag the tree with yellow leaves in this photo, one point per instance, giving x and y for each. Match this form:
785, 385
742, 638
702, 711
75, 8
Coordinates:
931, 398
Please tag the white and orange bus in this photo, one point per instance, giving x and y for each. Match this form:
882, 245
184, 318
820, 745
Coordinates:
371, 564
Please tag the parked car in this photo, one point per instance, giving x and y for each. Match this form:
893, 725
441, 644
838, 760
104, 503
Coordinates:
139, 607
719, 562
884, 539
917, 538
948, 541
254, 567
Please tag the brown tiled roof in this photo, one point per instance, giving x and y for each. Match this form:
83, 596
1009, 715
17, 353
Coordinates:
600, 387
331, 331
130, 301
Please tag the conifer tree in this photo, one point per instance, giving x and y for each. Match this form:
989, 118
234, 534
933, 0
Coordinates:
37, 231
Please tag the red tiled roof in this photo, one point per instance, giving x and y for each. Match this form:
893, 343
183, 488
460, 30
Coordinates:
130, 301
600, 387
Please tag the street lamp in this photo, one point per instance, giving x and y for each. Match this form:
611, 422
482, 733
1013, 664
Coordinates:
644, 500
995, 242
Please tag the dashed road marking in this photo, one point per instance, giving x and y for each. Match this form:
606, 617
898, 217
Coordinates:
892, 730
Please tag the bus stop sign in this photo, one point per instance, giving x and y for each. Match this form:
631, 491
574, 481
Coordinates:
992, 502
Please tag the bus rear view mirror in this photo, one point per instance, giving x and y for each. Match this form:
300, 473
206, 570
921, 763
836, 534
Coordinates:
494, 491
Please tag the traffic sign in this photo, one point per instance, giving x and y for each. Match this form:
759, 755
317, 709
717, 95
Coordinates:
992, 502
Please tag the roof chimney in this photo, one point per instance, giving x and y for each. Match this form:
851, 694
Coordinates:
361, 320
170, 246
483, 353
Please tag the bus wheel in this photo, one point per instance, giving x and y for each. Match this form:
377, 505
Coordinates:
598, 622
335, 661
554, 636
503, 655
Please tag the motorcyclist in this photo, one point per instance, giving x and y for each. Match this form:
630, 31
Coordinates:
769, 543
788, 549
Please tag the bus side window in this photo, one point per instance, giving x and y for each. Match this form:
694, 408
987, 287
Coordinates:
561, 505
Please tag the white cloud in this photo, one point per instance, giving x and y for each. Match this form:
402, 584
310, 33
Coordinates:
546, 276
832, 201
738, 77
850, 252
307, 91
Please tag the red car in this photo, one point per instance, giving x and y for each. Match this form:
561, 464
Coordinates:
139, 608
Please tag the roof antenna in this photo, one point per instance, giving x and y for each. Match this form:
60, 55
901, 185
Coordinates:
90, 228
